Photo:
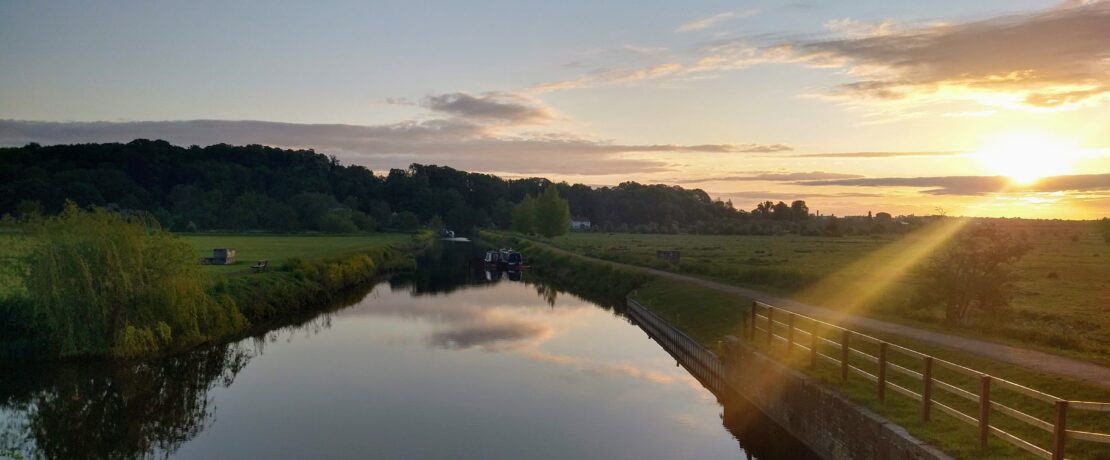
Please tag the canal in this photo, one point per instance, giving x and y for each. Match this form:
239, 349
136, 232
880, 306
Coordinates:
450, 361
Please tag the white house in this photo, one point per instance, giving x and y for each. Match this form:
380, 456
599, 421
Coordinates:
579, 223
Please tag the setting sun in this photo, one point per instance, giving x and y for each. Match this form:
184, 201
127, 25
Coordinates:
1027, 157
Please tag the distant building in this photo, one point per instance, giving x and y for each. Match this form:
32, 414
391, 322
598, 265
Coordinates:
579, 223
220, 256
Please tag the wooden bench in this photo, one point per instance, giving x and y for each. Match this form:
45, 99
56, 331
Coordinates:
260, 266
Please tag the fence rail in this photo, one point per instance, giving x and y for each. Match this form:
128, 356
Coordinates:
774, 325
702, 363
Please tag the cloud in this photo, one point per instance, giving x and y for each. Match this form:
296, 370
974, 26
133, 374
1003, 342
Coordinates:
764, 195
772, 176
495, 107
879, 154
705, 23
491, 335
1048, 59
856, 28
977, 185
453, 142
610, 76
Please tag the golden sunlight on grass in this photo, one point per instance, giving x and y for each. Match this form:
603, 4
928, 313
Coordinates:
882, 269
1027, 157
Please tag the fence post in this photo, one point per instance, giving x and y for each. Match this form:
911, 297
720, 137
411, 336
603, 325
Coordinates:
755, 306
813, 345
882, 371
845, 344
790, 334
1061, 430
927, 389
770, 327
984, 410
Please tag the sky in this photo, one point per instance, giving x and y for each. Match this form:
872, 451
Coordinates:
972, 107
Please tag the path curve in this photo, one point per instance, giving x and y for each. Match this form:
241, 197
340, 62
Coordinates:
1032, 359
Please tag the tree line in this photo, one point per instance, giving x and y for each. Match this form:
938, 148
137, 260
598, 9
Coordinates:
253, 187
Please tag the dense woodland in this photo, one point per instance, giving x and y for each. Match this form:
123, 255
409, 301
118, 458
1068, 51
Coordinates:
239, 188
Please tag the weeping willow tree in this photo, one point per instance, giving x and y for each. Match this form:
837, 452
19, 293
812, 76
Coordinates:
104, 283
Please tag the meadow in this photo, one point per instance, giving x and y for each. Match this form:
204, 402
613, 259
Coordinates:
1062, 284
278, 248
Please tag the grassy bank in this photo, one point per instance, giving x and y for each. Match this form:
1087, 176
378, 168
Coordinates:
305, 273
1062, 286
603, 282
279, 249
708, 316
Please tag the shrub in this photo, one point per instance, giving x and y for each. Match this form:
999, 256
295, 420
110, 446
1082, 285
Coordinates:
337, 222
102, 282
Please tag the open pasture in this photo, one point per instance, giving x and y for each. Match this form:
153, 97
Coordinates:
1062, 285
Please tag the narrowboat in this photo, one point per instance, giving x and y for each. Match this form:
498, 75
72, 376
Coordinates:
505, 258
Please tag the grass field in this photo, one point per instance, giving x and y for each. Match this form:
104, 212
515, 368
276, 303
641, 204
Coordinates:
1063, 285
279, 248
717, 314
249, 248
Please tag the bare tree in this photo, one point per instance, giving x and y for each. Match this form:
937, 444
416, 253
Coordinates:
973, 272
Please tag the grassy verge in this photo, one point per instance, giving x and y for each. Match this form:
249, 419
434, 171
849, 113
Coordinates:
1062, 287
708, 315
306, 273
604, 283
279, 249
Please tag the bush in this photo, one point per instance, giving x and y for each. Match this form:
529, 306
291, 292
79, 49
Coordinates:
103, 283
337, 222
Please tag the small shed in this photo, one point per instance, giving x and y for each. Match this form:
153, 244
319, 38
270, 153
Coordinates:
220, 256
669, 256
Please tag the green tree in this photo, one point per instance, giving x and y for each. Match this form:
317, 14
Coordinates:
407, 221
524, 215
103, 283
338, 221
552, 213
973, 272
435, 223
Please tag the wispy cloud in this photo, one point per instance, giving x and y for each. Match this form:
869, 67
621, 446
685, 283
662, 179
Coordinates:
709, 21
941, 153
977, 185
610, 76
1062, 59
771, 176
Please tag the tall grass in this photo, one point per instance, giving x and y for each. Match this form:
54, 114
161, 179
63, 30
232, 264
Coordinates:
103, 283
98, 283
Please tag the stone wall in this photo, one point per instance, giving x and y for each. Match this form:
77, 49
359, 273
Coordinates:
828, 423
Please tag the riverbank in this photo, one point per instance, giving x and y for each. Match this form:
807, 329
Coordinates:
1060, 286
293, 286
709, 315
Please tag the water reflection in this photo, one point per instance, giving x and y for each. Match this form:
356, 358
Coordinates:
115, 411
361, 377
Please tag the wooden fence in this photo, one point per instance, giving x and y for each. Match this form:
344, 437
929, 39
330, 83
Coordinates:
783, 326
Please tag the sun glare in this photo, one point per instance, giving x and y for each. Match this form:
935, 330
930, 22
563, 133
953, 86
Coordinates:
1025, 158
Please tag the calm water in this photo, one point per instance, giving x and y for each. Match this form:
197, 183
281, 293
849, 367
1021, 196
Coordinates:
448, 362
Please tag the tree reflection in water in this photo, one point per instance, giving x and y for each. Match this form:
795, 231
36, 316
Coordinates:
116, 410
129, 410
